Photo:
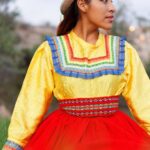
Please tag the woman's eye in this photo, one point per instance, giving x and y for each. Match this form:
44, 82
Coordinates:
104, 1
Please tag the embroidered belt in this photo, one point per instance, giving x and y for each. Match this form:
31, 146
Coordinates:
90, 107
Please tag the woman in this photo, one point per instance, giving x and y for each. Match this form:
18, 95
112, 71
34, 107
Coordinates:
86, 71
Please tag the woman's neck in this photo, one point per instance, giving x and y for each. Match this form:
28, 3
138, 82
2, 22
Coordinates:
86, 32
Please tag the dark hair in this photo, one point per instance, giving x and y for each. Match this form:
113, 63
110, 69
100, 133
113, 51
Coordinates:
70, 19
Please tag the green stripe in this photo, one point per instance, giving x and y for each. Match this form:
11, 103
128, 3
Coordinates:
104, 62
87, 65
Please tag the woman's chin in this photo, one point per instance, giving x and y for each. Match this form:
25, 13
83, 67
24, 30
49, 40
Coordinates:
108, 27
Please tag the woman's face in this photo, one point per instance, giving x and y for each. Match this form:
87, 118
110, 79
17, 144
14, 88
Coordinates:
100, 13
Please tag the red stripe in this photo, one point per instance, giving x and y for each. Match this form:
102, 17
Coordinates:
75, 70
73, 58
95, 115
80, 104
86, 98
93, 110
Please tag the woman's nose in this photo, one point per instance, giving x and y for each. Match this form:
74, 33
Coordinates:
112, 7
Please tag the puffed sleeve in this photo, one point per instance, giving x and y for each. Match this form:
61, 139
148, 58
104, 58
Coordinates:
33, 100
137, 88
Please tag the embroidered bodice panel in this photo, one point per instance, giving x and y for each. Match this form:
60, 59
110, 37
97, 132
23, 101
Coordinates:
65, 61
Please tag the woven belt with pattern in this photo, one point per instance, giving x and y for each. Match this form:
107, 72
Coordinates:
90, 107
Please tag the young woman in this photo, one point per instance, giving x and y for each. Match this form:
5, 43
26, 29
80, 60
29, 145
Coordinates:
86, 71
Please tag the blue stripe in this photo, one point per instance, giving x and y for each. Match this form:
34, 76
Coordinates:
87, 75
12, 144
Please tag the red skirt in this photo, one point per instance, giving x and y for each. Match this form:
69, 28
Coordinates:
62, 131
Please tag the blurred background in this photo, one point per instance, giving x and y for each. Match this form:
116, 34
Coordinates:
23, 26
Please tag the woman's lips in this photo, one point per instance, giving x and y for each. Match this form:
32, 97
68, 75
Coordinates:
110, 18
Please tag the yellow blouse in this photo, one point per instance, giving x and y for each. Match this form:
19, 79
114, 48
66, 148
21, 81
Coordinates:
42, 81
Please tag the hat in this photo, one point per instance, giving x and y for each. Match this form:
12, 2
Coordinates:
65, 5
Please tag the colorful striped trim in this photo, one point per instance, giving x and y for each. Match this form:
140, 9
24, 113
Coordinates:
10, 145
90, 107
67, 64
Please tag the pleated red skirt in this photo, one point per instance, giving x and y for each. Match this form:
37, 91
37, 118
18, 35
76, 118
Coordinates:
62, 131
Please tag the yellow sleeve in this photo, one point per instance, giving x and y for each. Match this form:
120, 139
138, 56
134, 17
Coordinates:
137, 88
34, 98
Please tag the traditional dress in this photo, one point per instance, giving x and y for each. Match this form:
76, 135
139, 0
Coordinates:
87, 80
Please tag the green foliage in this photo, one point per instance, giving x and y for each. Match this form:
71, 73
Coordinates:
12, 73
4, 123
10, 76
7, 24
25, 57
148, 69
